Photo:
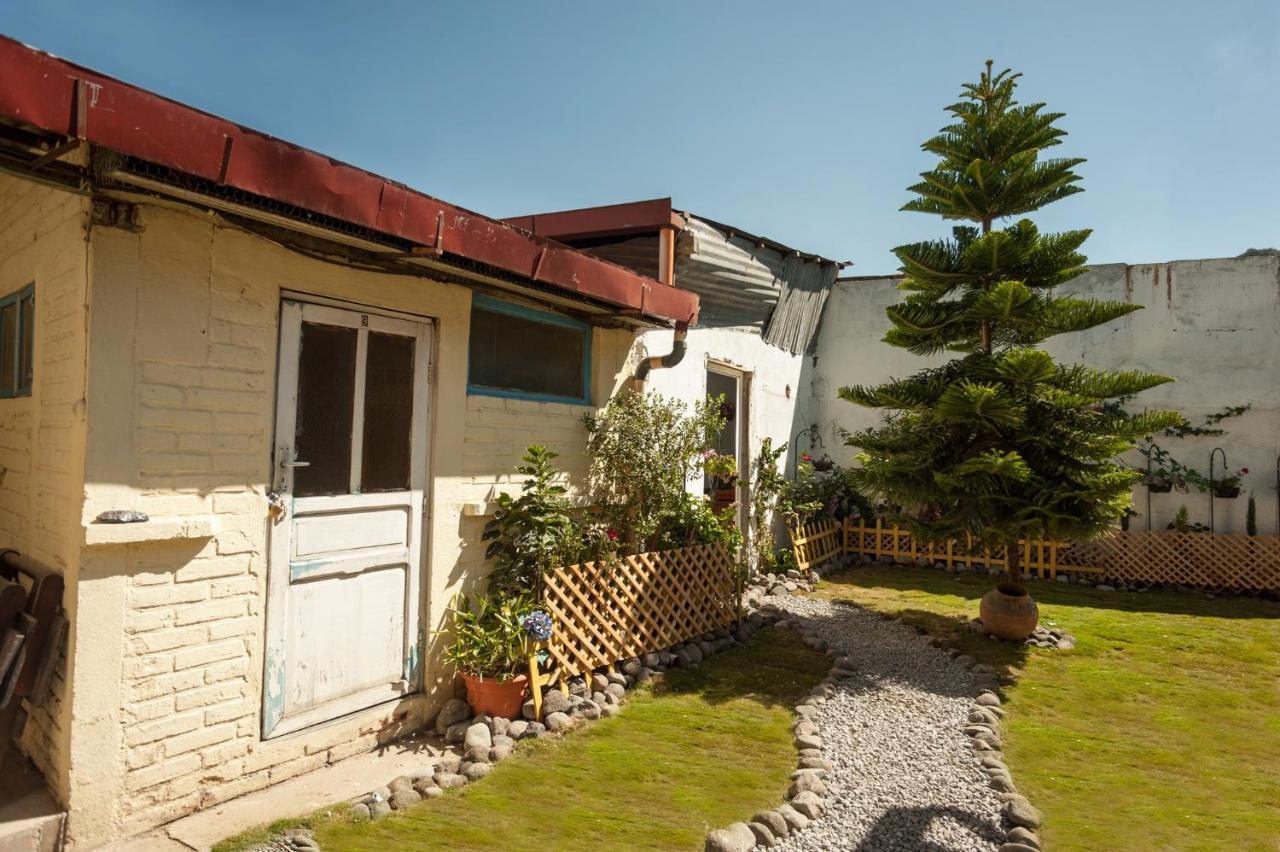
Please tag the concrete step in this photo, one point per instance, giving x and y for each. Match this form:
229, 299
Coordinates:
30, 820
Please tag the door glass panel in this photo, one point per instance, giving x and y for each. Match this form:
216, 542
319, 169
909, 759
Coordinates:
388, 413
8, 346
326, 396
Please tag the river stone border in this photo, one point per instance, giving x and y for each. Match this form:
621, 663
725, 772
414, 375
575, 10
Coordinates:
806, 795
474, 744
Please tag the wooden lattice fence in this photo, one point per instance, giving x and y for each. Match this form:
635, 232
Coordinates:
1204, 560
816, 543
608, 611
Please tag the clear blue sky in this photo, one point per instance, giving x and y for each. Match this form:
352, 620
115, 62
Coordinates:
798, 121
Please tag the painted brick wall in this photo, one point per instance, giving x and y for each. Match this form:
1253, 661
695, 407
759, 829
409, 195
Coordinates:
182, 404
43, 240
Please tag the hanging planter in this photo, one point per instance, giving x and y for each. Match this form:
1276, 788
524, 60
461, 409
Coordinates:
1159, 484
1228, 488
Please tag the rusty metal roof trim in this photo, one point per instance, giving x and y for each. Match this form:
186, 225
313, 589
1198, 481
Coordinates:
41, 91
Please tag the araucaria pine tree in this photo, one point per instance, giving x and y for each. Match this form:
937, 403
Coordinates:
1001, 443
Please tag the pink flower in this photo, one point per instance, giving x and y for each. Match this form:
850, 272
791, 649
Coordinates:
612, 534
806, 457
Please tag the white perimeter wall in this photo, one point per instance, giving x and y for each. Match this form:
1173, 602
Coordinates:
1212, 324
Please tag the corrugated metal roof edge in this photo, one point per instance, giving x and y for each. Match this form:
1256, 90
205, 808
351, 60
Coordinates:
53, 95
773, 244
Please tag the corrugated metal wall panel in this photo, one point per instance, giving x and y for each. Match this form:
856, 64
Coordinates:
794, 324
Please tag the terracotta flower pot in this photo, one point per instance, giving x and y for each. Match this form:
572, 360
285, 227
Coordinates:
1007, 611
497, 698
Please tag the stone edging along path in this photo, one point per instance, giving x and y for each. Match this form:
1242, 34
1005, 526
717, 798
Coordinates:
899, 747
855, 786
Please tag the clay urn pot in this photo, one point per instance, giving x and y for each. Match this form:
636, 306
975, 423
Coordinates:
1008, 612
494, 697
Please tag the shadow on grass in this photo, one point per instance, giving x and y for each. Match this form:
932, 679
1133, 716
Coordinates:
973, 586
774, 670
700, 748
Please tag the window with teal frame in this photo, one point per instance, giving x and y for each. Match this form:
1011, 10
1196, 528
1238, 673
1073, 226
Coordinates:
17, 339
524, 353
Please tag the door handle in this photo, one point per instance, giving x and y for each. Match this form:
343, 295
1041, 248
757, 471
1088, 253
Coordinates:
295, 463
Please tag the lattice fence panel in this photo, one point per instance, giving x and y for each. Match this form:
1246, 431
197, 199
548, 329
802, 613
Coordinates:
816, 542
1206, 560
609, 611
1224, 562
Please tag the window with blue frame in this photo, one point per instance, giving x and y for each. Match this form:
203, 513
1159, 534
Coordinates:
524, 353
17, 339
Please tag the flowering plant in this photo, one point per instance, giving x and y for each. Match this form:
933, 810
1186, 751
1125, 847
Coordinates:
491, 635
537, 626
719, 465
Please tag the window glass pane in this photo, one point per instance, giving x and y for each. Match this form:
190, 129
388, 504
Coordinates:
326, 394
25, 348
8, 353
388, 413
521, 354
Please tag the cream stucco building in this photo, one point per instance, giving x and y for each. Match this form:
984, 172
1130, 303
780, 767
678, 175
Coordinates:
311, 381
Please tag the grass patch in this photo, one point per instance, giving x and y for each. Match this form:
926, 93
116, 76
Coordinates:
1161, 730
697, 750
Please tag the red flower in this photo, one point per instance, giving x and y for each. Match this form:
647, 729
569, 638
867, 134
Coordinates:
612, 534
806, 457
1244, 470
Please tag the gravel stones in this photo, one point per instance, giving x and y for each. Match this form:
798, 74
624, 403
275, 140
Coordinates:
737, 837
900, 772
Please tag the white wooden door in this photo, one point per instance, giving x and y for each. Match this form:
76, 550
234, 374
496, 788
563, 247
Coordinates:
347, 534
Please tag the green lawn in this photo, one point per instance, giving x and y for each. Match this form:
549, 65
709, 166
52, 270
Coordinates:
1161, 730
699, 750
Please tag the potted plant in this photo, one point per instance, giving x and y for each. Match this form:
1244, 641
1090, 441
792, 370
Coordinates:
492, 641
1228, 487
1159, 483
722, 475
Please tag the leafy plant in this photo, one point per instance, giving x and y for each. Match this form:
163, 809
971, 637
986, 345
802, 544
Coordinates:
1001, 443
533, 533
1163, 470
645, 450
832, 493
767, 483
1182, 522
720, 468
696, 522
489, 634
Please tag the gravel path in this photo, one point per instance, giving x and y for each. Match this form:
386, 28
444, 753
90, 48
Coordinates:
905, 776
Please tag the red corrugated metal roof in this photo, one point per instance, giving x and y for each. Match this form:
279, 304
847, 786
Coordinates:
40, 91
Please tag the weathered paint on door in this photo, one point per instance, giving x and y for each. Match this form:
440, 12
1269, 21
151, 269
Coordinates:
350, 477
